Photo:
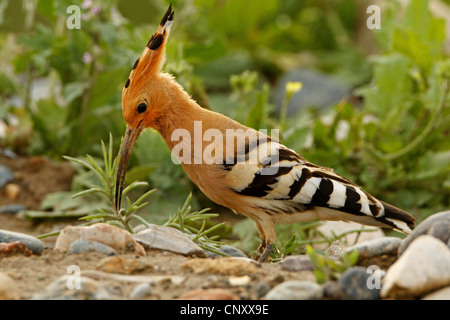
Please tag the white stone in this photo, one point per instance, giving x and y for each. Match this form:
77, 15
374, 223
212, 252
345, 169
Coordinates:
423, 267
116, 238
239, 281
170, 239
334, 228
296, 290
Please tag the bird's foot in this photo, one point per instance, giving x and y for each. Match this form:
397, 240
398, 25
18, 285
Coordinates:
259, 251
263, 252
266, 253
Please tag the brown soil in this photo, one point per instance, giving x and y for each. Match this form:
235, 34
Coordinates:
34, 273
38, 176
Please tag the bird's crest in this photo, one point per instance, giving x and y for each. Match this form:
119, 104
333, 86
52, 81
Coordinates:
152, 59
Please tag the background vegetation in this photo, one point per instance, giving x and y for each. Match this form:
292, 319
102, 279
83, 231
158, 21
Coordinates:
60, 89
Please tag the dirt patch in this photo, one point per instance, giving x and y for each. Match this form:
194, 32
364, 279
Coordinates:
32, 274
36, 177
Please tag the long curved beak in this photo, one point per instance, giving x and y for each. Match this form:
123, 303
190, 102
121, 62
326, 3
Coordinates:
131, 135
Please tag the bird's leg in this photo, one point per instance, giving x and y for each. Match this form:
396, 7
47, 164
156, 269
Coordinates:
267, 234
260, 250
266, 253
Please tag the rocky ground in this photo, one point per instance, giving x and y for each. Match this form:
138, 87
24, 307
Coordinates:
104, 262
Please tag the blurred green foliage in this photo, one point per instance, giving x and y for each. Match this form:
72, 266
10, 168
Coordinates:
60, 89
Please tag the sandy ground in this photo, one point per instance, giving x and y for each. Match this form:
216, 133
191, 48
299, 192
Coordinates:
37, 177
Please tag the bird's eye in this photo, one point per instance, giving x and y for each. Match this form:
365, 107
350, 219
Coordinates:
141, 108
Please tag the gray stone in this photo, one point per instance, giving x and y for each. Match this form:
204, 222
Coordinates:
141, 291
12, 208
32, 243
436, 225
6, 175
8, 153
227, 250
332, 290
296, 290
261, 289
69, 287
83, 245
353, 283
297, 263
379, 251
422, 268
232, 252
169, 239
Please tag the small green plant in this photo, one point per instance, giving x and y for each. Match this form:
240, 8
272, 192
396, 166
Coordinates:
282, 250
327, 268
107, 190
185, 221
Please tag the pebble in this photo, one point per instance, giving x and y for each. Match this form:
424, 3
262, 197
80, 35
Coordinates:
229, 251
379, 251
296, 290
436, 225
12, 208
116, 264
6, 175
82, 288
239, 281
116, 238
169, 239
332, 290
297, 263
32, 243
209, 294
262, 288
422, 268
12, 191
222, 266
8, 288
335, 249
141, 291
83, 245
354, 285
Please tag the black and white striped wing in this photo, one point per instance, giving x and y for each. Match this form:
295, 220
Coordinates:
283, 175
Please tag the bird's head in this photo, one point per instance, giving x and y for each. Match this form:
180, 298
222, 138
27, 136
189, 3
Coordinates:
144, 96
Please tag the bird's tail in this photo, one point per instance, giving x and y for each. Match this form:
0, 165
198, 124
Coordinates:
397, 218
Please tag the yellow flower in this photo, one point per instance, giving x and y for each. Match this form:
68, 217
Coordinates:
292, 88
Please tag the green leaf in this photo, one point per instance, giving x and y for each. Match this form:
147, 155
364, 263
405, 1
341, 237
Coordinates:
133, 185
256, 115
143, 197
73, 90
89, 191
391, 86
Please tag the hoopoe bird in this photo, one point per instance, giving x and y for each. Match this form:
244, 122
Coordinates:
257, 176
